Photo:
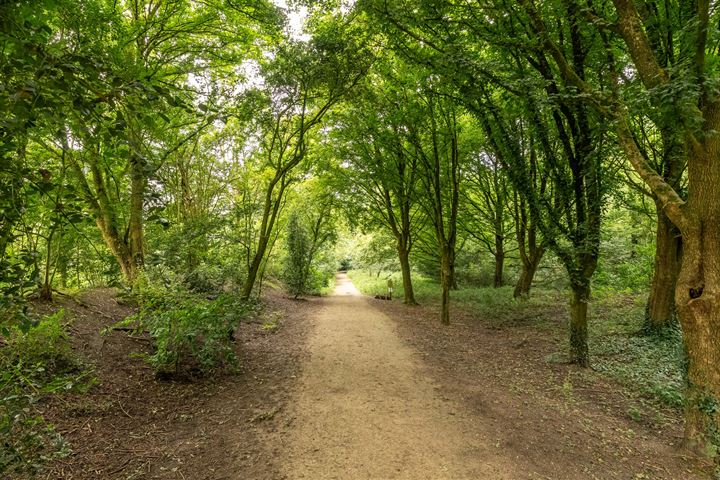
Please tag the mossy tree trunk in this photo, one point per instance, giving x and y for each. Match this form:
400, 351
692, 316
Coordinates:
697, 297
660, 309
578, 323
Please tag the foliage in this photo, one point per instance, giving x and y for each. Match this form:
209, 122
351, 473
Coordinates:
297, 267
46, 343
192, 333
198, 146
626, 260
650, 365
372, 283
33, 364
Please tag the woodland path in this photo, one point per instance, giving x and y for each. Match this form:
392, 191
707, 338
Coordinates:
365, 408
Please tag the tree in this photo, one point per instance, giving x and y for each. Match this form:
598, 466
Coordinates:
436, 143
528, 221
684, 100
303, 82
381, 175
679, 98
310, 232
297, 262
569, 137
487, 199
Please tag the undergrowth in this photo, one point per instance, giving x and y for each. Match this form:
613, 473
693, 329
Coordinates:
35, 363
192, 331
496, 304
652, 365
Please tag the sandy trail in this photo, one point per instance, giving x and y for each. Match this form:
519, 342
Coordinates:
365, 408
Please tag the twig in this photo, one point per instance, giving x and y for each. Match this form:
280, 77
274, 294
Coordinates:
122, 467
123, 409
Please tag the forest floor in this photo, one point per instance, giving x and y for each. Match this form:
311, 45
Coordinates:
352, 387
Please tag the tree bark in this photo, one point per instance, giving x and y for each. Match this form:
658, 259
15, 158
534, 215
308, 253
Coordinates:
499, 261
404, 257
698, 304
527, 274
697, 299
446, 284
254, 268
578, 324
660, 309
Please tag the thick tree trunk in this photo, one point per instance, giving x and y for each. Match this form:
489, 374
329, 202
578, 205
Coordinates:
578, 324
698, 305
119, 250
697, 300
527, 274
404, 257
660, 309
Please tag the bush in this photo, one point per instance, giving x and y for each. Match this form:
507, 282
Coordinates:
652, 365
296, 271
45, 344
191, 332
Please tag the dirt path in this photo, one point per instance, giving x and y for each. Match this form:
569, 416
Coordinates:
349, 387
365, 407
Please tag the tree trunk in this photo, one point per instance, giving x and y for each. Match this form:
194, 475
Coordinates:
46, 286
527, 274
253, 270
697, 300
453, 278
578, 324
119, 250
660, 309
446, 284
409, 294
499, 262
138, 184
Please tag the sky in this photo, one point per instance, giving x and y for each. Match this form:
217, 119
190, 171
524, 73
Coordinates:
296, 20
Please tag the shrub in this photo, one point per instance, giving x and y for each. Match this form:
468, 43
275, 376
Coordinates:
27, 440
297, 262
45, 344
191, 332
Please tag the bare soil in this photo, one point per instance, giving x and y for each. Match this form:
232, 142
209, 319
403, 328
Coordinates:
350, 387
389, 392
134, 426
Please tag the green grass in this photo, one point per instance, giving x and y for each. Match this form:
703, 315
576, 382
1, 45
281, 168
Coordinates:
649, 366
495, 304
